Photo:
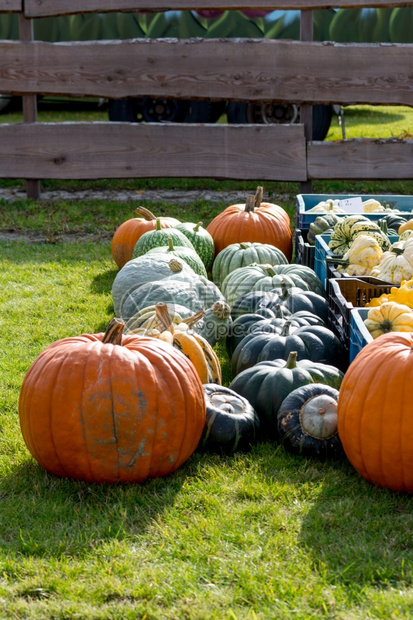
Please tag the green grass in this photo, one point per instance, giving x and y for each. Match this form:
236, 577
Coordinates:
257, 536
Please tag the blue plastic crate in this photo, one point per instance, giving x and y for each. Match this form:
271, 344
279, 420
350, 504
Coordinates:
304, 251
324, 270
359, 334
304, 202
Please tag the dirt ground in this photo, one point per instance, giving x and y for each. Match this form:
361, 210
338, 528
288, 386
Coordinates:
184, 197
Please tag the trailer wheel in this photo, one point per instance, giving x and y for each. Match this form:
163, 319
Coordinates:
270, 112
147, 109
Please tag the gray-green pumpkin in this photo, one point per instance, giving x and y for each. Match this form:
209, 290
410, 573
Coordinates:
242, 254
216, 322
196, 293
201, 240
188, 255
268, 277
160, 237
143, 269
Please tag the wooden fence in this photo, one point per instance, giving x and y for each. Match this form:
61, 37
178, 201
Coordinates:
303, 72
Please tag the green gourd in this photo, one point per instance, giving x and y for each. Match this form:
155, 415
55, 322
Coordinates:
201, 240
242, 254
159, 237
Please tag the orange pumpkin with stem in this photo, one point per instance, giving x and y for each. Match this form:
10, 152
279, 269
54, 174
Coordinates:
126, 236
254, 221
111, 408
375, 424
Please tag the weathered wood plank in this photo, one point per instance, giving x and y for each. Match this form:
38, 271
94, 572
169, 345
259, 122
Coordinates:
236, 69
39, 8
11, 6
361, 159
123, 150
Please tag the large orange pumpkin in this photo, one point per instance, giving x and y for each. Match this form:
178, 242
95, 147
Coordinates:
125, 237
111, 408
254, 221
375, 422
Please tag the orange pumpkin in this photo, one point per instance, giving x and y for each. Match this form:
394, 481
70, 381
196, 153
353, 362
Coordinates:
375, 424
111, 408
125, 237
254, 221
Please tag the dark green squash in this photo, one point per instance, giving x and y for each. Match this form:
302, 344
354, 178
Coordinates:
266, 384
309, 301
232, 424
307, 422
267, 320
314, 342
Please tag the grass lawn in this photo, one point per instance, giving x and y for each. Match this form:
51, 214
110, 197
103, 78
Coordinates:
255, 536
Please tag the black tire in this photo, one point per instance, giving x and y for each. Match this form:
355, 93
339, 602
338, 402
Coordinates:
124, 110
205, 111
147, 109
240, 113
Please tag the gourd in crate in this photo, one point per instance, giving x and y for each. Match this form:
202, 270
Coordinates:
389, 317
347, 229
111, 408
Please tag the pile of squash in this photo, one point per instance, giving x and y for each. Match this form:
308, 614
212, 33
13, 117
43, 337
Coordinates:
135, 402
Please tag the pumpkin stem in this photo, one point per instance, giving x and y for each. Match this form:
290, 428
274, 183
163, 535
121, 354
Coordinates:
285, 291
292, 360
164, 318
175, 265
278, 311
244, 245
397, 251
171, 246
196, 228
114, 331
192, 320
221, 309
145, 213
253, 202
158, 224
286, 329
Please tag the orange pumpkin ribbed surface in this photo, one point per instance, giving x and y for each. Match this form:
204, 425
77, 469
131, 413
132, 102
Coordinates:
254, 221
95, 410
127, 234
375, 422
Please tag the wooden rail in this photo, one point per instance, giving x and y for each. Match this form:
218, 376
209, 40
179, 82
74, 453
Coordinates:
303, 72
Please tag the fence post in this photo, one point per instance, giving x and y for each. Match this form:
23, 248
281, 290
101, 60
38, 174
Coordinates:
306, 111
29, 102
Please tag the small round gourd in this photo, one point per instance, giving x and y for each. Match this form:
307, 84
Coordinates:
242, 254
231, 425
307, 422
201, 240
160, 237
189, 255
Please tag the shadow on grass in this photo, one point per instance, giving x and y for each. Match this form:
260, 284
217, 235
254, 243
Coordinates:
45, 516
356, 533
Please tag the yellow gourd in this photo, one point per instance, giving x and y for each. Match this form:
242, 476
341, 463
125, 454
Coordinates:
194, 346
364, 254
406, 226
389, 317
396, 264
